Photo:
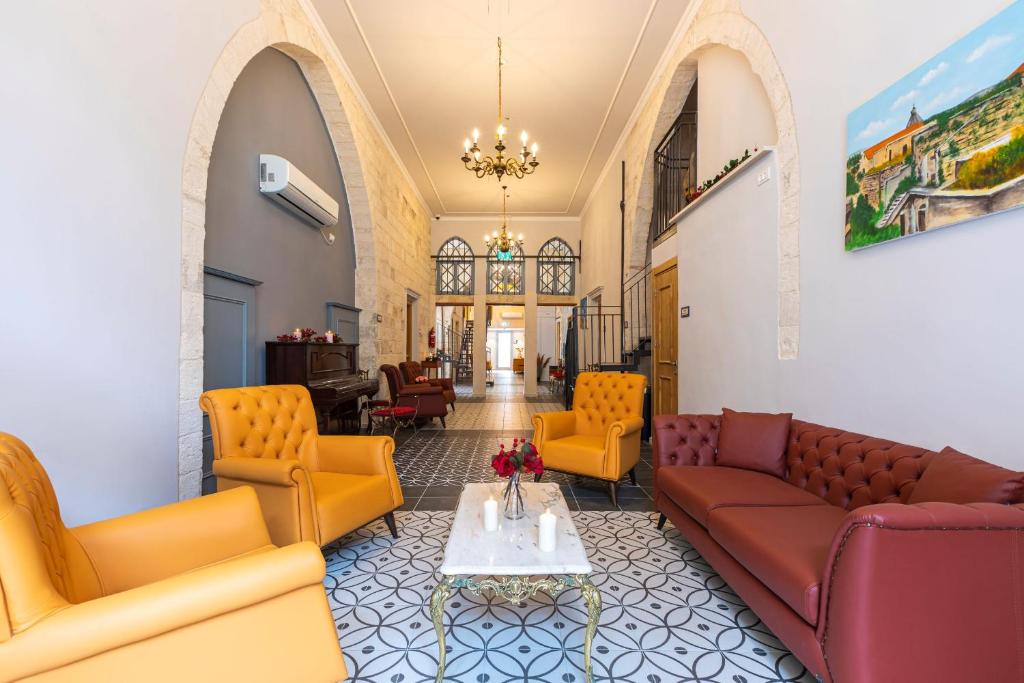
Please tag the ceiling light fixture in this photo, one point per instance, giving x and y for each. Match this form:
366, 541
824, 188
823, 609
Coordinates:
499, 164
503, 241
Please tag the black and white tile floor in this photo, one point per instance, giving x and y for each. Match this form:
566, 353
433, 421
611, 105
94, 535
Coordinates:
667, 616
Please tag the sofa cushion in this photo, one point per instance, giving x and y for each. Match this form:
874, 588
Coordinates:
786, 548
347, 501
754, 441
701, 489
580, 454
953, 477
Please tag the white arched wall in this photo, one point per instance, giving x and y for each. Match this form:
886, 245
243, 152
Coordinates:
721, 22
285, 26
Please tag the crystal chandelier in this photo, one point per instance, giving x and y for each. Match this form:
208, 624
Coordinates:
500, 165
503, 241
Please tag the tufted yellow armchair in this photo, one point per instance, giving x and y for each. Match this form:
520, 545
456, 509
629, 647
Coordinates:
311, 487
600, 436
192, 591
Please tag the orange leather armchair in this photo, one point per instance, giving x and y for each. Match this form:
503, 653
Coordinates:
311, 487
192, 591
600, 436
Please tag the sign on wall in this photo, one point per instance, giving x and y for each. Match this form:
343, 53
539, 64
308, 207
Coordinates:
945, 143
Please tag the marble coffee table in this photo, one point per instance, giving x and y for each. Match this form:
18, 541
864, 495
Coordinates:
511, 564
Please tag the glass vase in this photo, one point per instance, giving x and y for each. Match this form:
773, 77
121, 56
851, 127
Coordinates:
514, 508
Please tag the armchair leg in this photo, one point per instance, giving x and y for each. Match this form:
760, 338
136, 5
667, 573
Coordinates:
632, 476
536, 478
613, 492
443, 425
452, 406
389, 519
661, 521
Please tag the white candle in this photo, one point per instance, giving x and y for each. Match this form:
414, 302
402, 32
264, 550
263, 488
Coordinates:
490, 514
297, 333
329, 336
546, 530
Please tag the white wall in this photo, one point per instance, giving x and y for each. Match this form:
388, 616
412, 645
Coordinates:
733, 112
918, 340
600, 227
97, 100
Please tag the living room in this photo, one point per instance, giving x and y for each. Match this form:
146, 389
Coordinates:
698, 387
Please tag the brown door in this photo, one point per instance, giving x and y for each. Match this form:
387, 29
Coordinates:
666, 330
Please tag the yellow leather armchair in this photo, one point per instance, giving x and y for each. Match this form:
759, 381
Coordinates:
600, 436
192, 591
310, 487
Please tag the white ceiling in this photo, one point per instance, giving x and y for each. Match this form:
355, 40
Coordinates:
574, 70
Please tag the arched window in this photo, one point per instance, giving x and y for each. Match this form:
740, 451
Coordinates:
556, 268
455, 267
505, 277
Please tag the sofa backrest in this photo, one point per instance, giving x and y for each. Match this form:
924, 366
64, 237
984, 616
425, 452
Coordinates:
852, 470
846, 469
272, 421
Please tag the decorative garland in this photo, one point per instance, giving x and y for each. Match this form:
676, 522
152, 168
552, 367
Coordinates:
308, 334
726, 170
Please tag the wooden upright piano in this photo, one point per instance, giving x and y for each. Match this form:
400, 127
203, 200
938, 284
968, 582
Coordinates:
329, 371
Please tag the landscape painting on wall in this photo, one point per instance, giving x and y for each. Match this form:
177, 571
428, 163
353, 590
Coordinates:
944, 144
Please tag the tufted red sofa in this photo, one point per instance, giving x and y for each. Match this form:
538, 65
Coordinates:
860, 585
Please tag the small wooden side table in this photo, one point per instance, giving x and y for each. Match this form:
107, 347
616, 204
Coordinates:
429, 365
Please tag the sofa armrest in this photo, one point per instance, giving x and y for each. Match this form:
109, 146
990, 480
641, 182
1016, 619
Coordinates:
99, 626
419, 390
910, 588
148, 546
258, 470
554, 425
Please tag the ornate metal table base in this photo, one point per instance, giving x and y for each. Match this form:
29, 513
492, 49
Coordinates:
517, 589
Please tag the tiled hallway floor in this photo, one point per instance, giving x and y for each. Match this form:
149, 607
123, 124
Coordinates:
434, 463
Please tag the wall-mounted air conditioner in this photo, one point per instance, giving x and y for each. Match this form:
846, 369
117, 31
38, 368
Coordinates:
288, 186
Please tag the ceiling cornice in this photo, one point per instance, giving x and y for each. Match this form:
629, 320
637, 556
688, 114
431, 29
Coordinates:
682, 27
335, 53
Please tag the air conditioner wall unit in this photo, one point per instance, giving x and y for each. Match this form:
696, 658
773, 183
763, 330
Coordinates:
288, 186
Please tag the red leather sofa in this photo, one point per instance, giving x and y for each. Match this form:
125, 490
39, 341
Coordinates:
412, 369
859, 584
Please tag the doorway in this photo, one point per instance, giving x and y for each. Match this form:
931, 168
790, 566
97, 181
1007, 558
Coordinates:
504, 343
666, 336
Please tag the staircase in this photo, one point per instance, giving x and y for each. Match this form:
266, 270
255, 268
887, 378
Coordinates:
894, 206
464, 367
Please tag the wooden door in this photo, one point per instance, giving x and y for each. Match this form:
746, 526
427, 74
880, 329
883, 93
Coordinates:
666, 335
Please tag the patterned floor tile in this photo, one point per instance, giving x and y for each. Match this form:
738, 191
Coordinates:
667, 615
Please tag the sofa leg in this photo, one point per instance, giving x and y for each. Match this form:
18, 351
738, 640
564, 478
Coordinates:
452, 405
389, 519
632, 476
661, 521
443, 425
613, 492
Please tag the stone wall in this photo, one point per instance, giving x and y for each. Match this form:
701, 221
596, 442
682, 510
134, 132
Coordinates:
391, 223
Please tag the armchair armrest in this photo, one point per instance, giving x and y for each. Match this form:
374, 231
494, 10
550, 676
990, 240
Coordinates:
622, 428
258, 470
151, 545
443, 382
99, 626
554, 425
368, 455
909, 588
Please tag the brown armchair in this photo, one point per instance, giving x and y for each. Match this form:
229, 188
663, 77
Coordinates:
431, 401
311, 487
412, 369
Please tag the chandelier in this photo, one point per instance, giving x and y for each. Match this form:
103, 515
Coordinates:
503, 241
500, 165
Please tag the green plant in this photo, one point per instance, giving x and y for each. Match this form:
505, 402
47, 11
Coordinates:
852, 186
864, 239
542, 362
993, 167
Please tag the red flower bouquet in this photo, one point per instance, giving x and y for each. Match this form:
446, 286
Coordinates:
523, 457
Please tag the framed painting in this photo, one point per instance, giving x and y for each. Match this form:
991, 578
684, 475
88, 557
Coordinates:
945, 143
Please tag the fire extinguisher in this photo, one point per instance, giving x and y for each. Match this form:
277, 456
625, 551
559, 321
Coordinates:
432, 338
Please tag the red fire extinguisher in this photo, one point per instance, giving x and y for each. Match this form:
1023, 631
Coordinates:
432, 338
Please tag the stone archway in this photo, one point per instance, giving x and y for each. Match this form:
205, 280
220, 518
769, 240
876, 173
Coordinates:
282, 25
721, 22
